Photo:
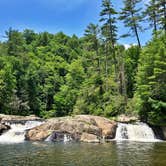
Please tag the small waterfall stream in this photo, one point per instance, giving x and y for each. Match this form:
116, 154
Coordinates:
135, 132
17, 132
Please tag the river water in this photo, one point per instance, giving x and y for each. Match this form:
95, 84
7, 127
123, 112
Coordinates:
115, 153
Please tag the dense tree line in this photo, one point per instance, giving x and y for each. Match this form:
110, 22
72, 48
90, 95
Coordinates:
56, 75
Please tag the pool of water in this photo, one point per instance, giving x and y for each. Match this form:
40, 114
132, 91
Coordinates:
81, 154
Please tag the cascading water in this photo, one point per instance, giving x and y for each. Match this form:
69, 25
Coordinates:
67, 138
59, 137
135, 132
17, 132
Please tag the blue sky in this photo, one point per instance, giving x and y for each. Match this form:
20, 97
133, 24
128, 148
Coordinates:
69, 16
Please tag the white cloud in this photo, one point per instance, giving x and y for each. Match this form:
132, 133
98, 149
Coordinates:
129, 45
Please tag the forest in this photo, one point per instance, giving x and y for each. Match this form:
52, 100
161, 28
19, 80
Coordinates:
54, 75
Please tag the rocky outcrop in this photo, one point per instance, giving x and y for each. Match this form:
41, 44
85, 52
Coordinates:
17, 119
127, 119
3, 128
86, 128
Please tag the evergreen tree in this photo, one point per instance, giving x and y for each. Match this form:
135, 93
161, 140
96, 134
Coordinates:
151, 82
131, 17
109, 33
15, 43
109, 29
152, 14
91, 36
161, 4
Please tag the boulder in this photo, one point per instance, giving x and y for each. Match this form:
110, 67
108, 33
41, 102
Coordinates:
3, 128
36, 134
73, 126
90, 138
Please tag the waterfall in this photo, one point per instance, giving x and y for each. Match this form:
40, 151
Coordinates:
59, 137
67, 138
17, 132
135, 132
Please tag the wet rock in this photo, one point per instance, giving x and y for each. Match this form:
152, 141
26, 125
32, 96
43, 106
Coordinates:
159, 131
90, 138
3, 128
164, 132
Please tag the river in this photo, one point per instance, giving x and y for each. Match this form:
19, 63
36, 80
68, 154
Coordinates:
115, 153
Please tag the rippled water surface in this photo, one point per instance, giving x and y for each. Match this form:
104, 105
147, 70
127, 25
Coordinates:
81, 154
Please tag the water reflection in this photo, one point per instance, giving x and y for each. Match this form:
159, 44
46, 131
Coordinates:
134, 153
81, 154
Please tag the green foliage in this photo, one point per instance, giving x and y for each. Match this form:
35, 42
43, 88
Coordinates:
56, 75
131, 64
151, 82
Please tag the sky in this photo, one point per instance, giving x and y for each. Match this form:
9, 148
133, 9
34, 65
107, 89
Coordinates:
69, 16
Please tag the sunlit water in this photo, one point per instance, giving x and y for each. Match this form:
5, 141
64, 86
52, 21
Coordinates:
81, 154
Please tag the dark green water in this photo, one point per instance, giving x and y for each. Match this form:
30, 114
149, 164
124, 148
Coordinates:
81, 154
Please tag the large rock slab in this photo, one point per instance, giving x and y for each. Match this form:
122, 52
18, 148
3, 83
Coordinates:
76, 127
107, 126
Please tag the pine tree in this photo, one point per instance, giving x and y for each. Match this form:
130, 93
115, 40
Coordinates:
109, 29
15, 43
152, 14
91, 36
161, 4
131, 17
109, 32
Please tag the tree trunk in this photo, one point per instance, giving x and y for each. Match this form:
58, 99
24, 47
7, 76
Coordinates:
155, 22
106, 64
164, 6
135, 30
